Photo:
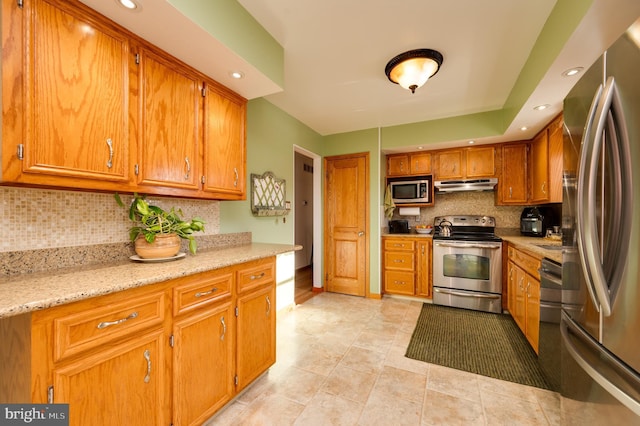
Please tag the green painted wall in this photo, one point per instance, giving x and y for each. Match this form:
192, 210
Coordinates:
356, 142
234, 27
271, 134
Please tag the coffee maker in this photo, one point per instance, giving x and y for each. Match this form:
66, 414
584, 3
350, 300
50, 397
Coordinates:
534, 221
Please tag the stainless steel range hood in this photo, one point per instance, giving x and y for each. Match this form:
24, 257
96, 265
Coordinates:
466, 185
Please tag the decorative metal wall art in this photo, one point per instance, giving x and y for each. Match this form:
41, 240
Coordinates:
268, 195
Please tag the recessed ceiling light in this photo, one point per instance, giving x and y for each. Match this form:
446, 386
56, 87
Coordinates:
541, 107
420, 147
132, 5
572, 71
523, 128
472, 142
236, 74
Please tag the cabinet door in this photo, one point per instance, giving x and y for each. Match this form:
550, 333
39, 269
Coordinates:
203, 365
76, 95
224, 143
513, 179
170, 129
511, 288
532, 321
449, 164
423, 268
481, 162
420, 163
256, 334
520, 301
539, 176
120, 385
556, 157
398, 165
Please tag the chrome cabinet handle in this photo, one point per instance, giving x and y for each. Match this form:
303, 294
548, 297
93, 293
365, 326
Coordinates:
544, 187
520, 284
400, 282
106, 324
147, 356
256, 277
398, 261
268, 306
510, 192
204, 293
110, 160
235, 182
224, 328
186, 175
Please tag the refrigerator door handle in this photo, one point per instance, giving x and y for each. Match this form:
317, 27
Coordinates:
588, 347
583, 212
609, 120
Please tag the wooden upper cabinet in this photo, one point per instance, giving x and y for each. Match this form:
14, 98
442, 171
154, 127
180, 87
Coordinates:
539, 172
170, 124
75, 96
449, 164
416, 163
556, 159
481, 162
512, 185
224, 143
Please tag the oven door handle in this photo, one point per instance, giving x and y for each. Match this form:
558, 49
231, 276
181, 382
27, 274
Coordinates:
475, 295
470, 245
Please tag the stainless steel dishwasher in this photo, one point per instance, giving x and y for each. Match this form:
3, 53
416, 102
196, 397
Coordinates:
550, 311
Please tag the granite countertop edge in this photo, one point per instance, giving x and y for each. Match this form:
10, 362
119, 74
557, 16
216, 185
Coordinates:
31, 292
532, 245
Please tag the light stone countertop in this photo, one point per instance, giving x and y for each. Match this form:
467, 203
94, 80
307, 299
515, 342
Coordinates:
31, 292
533, 245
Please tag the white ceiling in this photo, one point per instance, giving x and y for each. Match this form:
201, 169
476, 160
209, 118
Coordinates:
336, 51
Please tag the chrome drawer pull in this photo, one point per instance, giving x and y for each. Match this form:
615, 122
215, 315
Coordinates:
106, 324
398, 261
268, 306
186, 175
256, 277
110, 160
147, 356
224, 328
204, 293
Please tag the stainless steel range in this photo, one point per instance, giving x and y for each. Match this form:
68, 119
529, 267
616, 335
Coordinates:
467, 263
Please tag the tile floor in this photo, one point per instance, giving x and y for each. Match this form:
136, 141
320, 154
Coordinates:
340, 361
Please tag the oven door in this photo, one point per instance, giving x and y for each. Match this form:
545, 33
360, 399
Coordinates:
468, 265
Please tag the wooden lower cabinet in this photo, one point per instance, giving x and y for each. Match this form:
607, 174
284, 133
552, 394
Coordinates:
203, 363
167, 353
524, 293
407, 266
256, 334
124, 384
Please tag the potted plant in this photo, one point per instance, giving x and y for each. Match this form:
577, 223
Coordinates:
157, 232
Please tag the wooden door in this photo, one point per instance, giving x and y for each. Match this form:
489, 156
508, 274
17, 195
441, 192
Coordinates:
513, 179
120, 385
224, 143
347, 224
256, 334
203, 365
539, 161
170, 129
76, 95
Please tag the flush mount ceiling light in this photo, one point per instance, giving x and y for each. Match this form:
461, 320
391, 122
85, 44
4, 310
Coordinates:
236, 74
541, 107
572, 71
412, 69
132, 5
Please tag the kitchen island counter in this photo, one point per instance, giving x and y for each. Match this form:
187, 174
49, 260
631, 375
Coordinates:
31, 292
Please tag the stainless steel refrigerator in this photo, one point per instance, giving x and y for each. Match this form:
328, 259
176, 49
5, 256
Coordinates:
600, 334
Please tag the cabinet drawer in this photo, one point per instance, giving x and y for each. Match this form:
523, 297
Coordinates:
398, 260
527, 262
93, 326
201, 290
256, 274
399, 282
399, 245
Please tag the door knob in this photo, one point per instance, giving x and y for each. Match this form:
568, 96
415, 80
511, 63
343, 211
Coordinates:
360, 234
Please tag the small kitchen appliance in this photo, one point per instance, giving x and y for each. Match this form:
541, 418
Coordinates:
398, 226
534, 221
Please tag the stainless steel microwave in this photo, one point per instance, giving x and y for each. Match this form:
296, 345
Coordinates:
414, 189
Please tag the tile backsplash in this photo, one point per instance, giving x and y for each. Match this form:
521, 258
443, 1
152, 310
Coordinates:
467, 203
41, 219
